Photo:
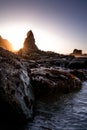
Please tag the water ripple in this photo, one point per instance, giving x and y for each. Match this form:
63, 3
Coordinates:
68, 112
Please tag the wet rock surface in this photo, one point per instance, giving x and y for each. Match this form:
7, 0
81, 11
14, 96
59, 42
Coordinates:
78, 63
81, 74
48, 81
16, 95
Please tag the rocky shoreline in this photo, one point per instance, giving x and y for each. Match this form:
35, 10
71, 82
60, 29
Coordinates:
31, 73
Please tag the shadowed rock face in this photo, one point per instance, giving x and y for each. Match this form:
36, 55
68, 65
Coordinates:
29, 43
29, 47
16, 95
5, 44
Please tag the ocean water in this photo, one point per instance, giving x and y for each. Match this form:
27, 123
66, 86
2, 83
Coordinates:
59, 112
65, 112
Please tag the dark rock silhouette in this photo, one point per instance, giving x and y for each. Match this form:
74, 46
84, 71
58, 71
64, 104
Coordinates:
16, 95
29, 46
5, 44
77, 52
29, 43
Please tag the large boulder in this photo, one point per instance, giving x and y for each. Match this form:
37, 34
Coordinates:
49, 81
16, 95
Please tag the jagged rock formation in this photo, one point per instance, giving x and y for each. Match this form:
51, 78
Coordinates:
5, 44
16, 95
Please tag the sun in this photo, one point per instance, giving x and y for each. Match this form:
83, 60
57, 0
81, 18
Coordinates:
15, 35
16, 38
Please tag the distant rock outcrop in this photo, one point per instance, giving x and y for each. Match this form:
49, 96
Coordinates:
77, 52
5, 44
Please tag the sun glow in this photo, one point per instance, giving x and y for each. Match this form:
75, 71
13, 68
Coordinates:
48, 41
15, 40
15, 35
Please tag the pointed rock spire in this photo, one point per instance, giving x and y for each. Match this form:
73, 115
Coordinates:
29, 43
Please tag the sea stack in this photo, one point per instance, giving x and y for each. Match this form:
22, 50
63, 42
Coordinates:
29, 43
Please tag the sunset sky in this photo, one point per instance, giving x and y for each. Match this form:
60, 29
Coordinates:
58, 25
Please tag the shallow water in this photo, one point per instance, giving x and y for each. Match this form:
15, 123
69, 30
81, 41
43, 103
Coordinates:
66, 112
